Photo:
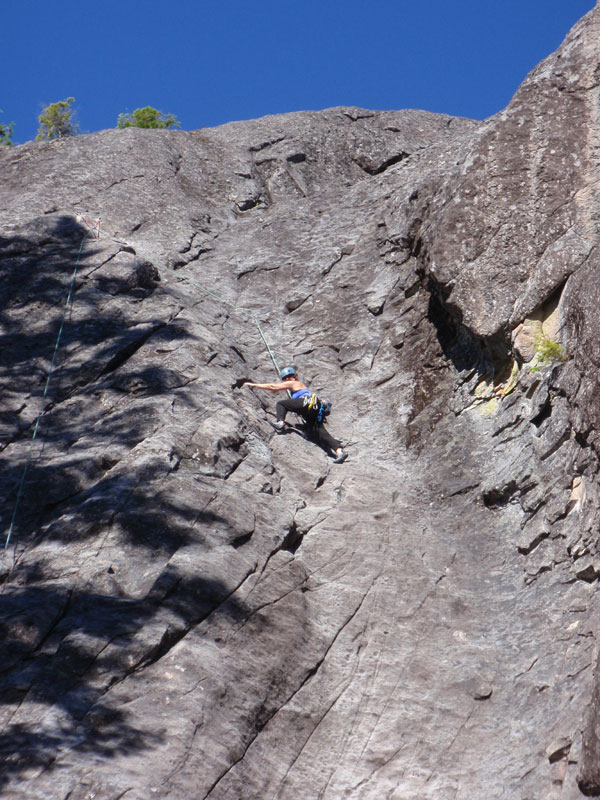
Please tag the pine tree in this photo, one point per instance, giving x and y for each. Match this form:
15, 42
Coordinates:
56, 121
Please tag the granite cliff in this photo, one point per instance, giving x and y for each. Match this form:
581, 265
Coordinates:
194, 606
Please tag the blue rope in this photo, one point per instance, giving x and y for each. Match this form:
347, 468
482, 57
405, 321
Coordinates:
44, 395
219, 298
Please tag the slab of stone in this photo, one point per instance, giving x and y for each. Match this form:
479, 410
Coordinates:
195, 606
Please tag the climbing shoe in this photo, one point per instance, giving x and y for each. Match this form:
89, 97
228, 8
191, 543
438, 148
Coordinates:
339, 459
279, 426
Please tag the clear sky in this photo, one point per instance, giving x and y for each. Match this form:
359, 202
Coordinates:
210, 62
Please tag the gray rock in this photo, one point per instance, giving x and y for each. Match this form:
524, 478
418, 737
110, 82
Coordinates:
559, 749
532, 535
195, 606
587, 568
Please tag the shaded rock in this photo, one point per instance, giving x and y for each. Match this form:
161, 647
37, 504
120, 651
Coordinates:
559, 749
532, 535
587, 568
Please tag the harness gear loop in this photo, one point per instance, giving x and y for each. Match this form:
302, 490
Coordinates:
315, 409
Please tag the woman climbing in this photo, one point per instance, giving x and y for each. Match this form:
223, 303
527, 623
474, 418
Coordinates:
305, 403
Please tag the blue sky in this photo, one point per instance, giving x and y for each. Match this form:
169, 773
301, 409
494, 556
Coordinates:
212, 62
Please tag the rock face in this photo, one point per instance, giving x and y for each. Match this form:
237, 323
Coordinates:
197, 607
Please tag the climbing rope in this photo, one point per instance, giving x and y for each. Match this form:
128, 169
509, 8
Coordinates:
44, 395
94, 229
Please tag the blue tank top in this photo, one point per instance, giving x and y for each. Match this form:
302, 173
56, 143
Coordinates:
300, 393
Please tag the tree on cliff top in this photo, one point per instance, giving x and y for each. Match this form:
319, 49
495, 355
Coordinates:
147, 117
56, 121
6, 132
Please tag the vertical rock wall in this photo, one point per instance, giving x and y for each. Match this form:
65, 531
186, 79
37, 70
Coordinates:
197, 607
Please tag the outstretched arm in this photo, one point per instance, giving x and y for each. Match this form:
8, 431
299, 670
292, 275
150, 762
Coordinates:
272, 387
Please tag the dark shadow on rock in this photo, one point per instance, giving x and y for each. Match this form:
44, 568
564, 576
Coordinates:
444, 343
36, 268
65, 650
588, 778
35, 272
65, 646
72, 502
457, 343
239, 382
307, 432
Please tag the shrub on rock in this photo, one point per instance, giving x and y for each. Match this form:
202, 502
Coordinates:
147, 117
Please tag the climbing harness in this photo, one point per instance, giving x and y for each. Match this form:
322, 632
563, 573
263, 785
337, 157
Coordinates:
316, 409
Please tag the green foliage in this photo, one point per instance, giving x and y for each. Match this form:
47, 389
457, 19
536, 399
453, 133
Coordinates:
56, 121
6, 132
547, 352
147, 117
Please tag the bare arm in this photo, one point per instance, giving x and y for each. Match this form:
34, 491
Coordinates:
272, 387
292, 386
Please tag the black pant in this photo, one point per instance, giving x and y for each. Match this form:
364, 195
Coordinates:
316, 431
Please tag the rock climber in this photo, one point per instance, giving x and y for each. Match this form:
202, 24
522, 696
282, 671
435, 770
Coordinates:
305, 403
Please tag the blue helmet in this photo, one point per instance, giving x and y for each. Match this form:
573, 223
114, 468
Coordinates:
287, 371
